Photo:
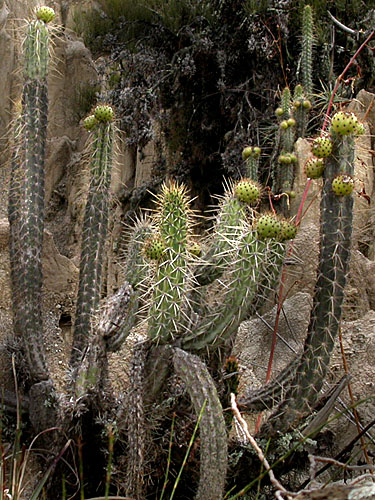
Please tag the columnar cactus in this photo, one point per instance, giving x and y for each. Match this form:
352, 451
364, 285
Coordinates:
283, 170
94, 230
307, 50
251, 157
301, 109
171, 279
26, 203
336, 227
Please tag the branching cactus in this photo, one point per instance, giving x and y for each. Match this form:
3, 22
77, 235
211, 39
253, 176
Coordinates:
246, 252
304, 380
26, 203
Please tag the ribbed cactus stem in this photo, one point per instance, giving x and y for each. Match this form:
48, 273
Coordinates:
26, 214
301, 110
307, 49
94, 233
252, 166
14, 217
136, 425
171, 278
136, 265
36, 50
286, 102
267, 397
240, 289
213, 436
271, 276
228, 227
336, 229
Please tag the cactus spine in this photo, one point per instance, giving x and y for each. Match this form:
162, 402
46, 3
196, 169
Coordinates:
26, 203
94, 234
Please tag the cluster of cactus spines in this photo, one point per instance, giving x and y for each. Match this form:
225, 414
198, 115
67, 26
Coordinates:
336, 229
26, 207
307, 49
250, 265
213, 435
251, 157
229, 224
94, 234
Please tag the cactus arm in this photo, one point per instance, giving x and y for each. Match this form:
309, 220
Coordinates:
336, 229
228, 228
307, 49
94, 234
222, 323
213, 447
171, 279
301, 109
252, 167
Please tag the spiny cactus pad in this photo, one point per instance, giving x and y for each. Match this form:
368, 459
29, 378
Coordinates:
344, 123
343, 185
154, 248
314, 168
248, 191
103, 113
322, 147
45, 14
89, 122
268, 226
